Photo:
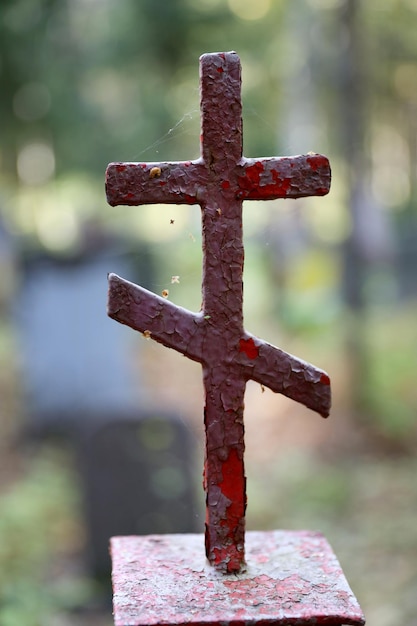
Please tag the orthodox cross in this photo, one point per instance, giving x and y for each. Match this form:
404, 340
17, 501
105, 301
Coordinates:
219, 181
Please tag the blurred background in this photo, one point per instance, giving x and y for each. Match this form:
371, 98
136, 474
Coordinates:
87, 406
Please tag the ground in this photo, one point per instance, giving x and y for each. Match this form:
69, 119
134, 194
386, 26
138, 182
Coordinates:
303, 473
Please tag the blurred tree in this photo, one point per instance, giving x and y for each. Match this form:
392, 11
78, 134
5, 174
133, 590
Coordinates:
85, 82
369, 249
353, 105
25, 100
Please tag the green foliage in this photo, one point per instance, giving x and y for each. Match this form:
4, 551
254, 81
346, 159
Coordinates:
391, 397
328, 493
40, 530
115, 76
305, 492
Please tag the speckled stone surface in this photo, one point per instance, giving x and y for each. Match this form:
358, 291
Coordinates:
291, 578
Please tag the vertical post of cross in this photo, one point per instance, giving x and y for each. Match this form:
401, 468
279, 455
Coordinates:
221, 150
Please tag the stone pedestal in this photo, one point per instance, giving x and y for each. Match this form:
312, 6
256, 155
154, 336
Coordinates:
291, 578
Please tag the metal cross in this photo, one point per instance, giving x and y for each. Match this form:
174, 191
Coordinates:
219, 181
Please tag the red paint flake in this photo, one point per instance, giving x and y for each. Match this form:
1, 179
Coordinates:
249, 347
162, 183
253, 173
317, 161
225, 184
250, 184
233, 483
144, 166
233, 487
187, 163
277, 188
325, 379
282, 185
291, 587
220, 70
232, 561
120, 167
189, 199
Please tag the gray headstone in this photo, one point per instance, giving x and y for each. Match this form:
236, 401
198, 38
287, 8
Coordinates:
139, 478
80, 379
75, 361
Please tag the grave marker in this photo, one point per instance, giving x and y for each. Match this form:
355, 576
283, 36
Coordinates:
219, 181
73, 363
137, 480
79, 380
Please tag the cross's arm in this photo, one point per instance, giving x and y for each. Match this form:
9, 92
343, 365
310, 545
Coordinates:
155, 317
176, 182
283, 177
286, 374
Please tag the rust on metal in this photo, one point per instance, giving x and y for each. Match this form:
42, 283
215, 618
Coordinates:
219, 181
292, 579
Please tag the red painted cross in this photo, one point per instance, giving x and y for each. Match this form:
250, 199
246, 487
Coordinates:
219, 181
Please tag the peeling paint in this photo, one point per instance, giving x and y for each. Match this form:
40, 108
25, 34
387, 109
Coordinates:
249, 347
292, 578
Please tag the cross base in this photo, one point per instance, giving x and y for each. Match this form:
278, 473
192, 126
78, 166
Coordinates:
291, 578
